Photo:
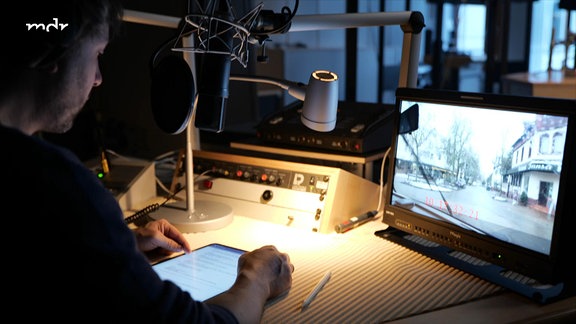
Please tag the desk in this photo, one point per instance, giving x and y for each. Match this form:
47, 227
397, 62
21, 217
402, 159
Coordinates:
542, 84
361, 291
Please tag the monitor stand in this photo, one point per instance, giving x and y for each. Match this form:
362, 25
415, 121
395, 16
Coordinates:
514, 281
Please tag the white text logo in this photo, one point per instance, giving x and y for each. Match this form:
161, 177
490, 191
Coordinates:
54, 25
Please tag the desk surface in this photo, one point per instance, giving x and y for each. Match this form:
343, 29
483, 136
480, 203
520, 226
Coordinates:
363, 290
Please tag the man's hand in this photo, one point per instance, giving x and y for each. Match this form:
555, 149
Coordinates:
161, 235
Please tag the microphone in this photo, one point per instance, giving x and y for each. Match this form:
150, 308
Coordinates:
220, 39
213, 70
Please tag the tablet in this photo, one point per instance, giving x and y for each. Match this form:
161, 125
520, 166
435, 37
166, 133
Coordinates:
205, 272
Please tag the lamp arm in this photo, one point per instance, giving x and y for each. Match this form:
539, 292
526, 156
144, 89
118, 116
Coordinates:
411, 21
295, 89
145, 18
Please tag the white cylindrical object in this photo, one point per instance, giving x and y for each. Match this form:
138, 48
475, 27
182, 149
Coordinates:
321, 102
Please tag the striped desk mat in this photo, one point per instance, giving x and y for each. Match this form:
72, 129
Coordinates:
373, 281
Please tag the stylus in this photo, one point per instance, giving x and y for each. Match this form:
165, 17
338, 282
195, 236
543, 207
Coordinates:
316, 290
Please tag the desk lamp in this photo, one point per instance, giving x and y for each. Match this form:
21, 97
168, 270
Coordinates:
214, 30
320, 97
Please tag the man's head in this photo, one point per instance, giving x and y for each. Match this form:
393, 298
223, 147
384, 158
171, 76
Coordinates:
50, 61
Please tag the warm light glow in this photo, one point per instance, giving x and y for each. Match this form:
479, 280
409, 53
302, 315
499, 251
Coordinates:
325, 76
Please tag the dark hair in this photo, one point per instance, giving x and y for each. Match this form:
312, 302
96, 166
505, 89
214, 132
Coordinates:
40, 32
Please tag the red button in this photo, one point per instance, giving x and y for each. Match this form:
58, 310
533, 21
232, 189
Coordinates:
208, 184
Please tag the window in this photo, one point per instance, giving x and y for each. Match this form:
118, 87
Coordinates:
544, 144
546, 17
471, 30
557, 143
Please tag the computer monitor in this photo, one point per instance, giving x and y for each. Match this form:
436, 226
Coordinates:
491, 176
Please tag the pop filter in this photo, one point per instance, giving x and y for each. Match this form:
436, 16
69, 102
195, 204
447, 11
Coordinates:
172, 94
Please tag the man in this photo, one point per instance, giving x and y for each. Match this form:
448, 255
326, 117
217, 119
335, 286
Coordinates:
80, 261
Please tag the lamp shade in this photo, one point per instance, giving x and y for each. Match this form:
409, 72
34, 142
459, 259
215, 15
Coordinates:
321, 101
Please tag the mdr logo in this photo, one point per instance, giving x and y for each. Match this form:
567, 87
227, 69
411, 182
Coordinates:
55, 25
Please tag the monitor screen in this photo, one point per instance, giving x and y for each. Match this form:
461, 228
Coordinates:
485, 174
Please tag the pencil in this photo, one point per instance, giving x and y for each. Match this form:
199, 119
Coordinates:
316, 290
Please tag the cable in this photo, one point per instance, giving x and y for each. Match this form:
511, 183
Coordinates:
166, 155
381, 186
162, 186
358, 220
149, 209
140, 214
165, 159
